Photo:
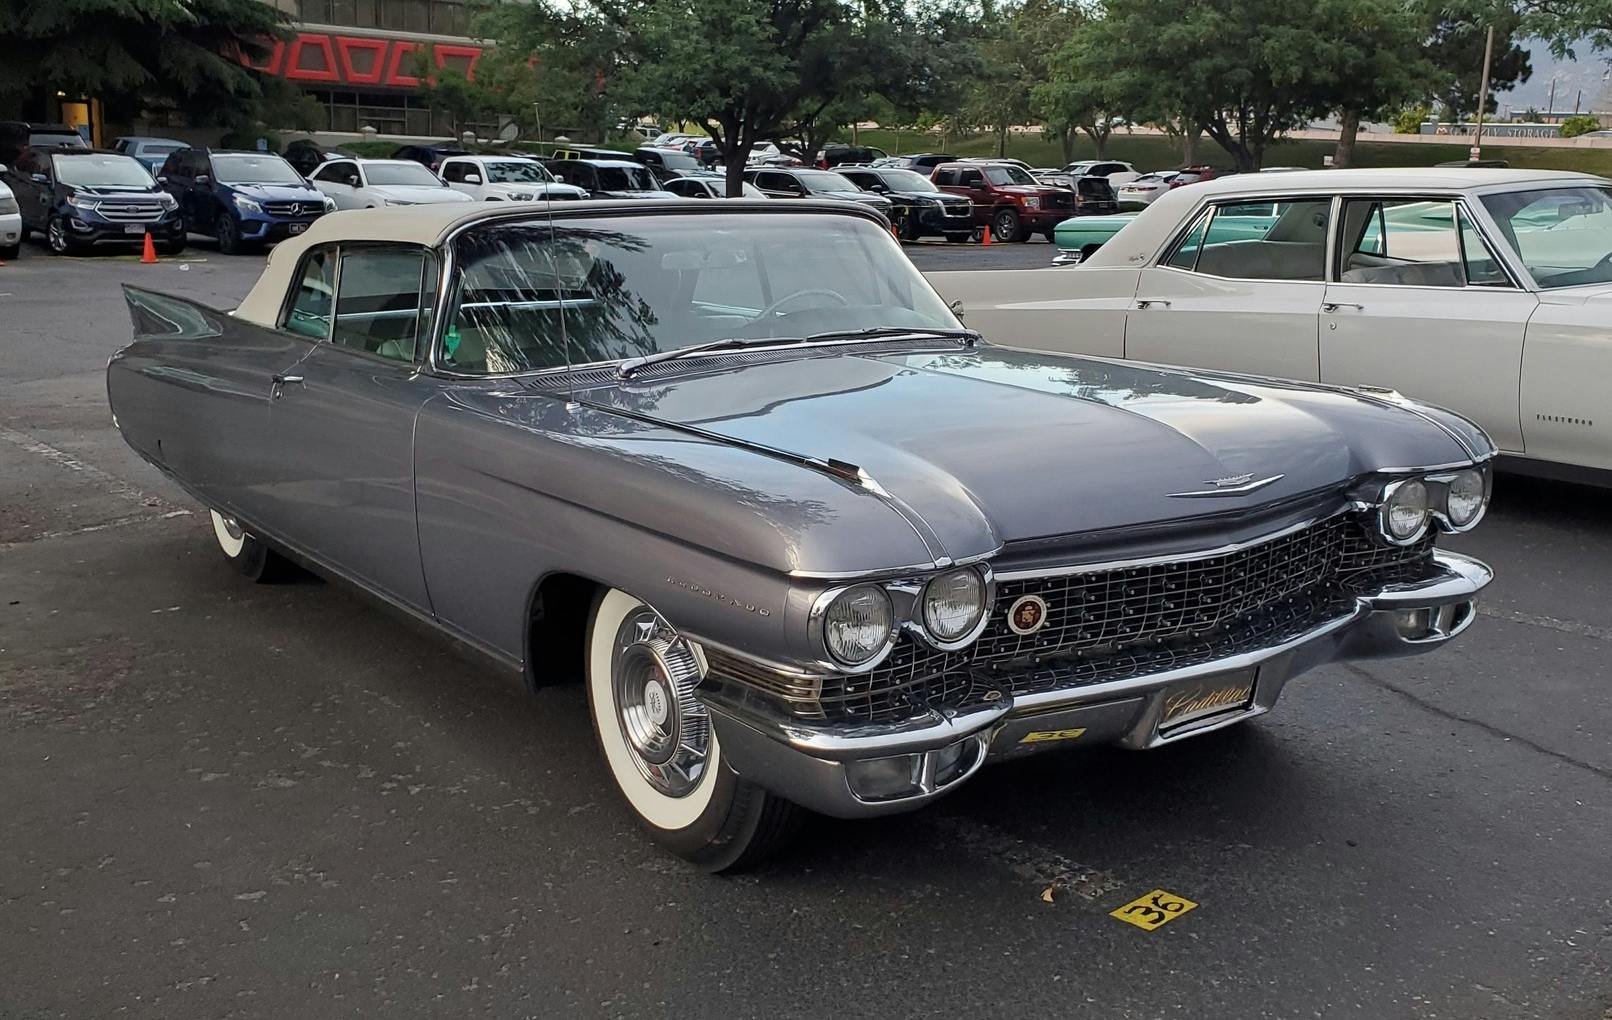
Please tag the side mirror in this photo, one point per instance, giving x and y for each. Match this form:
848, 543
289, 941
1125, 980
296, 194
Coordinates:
957, 308
204, 179
353, 180
2, 168
471, 179
39, 179
163, 179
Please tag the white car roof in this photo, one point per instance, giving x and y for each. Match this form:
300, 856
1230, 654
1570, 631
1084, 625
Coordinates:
1141, 239
381, 162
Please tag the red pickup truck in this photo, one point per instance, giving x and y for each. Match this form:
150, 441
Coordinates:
1007, 199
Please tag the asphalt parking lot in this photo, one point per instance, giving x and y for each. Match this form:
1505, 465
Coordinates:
220, 799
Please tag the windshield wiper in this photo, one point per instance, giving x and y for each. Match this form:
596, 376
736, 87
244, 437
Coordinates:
965, 337
631, 367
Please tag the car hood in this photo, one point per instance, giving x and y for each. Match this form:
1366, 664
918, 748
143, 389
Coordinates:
423, 194
1033, 191
535, 188
995, 445
278, 192
118, 191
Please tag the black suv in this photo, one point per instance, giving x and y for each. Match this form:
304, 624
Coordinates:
835, 153
78, 198
918, 208
19, 135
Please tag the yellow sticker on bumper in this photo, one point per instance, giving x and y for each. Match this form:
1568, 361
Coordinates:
1153, 910
1038, 736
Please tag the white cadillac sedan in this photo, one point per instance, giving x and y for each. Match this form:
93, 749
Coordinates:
1486, 291
373, 183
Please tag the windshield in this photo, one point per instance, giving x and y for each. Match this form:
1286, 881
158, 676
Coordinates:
1564, 235
241, 168
405, 173
103, 171
631, 286
158, 148
1007, 174
677, 160
517, 171
625, 178
821, 182
906, 180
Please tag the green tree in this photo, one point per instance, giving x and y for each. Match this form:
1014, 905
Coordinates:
1456, 51
139, 53
1375, 63
1244, 71
1409, 121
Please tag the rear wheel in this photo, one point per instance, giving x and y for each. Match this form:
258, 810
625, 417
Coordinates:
660, 748
248, 555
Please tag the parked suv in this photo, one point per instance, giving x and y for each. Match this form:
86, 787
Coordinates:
919, 209
1007, 199
800, 182
245, 199
16, 136
78, 198
835, 153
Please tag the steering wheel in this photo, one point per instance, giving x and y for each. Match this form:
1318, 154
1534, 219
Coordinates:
772, 309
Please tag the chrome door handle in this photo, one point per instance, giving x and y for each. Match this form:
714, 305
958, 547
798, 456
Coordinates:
1332, 306
1150, 302
280, 382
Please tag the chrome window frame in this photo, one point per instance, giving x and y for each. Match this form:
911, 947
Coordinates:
1460, 208
427, 330
1213, 205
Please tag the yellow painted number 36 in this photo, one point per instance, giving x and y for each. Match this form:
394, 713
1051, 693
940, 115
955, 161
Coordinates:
1153, 910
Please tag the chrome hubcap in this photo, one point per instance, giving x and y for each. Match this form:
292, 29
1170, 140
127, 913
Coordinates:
653, 676
58, 239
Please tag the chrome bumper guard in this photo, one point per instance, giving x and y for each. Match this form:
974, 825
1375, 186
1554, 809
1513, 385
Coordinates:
874, 769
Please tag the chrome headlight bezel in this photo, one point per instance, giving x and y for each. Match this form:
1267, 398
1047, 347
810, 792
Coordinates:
819, 623
250, 206
906, 596
1442, 485
921, 616
1395, 490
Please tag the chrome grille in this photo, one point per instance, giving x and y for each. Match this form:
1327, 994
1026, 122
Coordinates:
293, 208
129, 212
1107, 625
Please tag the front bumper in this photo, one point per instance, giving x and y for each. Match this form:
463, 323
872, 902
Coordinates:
270, 229
10, 229
89, 228
815, 766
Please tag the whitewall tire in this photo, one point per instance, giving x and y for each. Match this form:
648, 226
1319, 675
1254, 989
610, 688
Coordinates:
660, 748
246, 554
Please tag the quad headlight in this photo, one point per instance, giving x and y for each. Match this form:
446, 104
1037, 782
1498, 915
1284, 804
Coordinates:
1466, 497
1405, 511
858, 624
953, 604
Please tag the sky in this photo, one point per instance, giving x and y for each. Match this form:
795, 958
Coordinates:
1588, 72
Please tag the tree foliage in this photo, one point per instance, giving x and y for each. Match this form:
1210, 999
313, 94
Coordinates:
1456, 51
139, 53
1582, 124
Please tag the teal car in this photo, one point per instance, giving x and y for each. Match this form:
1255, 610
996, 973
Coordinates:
1077, 238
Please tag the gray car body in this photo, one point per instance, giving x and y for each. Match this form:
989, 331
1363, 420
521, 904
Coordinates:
728, 491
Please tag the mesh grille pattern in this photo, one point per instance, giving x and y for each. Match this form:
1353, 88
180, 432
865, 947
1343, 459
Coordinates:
1134, 621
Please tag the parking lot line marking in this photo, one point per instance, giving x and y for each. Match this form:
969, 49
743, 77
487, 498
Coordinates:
1153, 910
1588, 630
121, 522
115, 486
1049, 870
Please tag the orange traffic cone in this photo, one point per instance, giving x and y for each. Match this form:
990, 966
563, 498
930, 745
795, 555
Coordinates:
895, 233
149, 255
985, 238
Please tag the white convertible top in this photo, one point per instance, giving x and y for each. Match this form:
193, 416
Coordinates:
1140, 239
430, 225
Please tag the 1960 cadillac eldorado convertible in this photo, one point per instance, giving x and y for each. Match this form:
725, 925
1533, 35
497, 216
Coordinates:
807, 541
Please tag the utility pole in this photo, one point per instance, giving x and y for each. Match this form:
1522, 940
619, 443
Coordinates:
1551, 106
1483, 94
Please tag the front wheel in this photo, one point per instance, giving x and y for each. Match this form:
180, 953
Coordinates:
57, 238
230, 241
10, 252
660, 748
248, 555
1005, 225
